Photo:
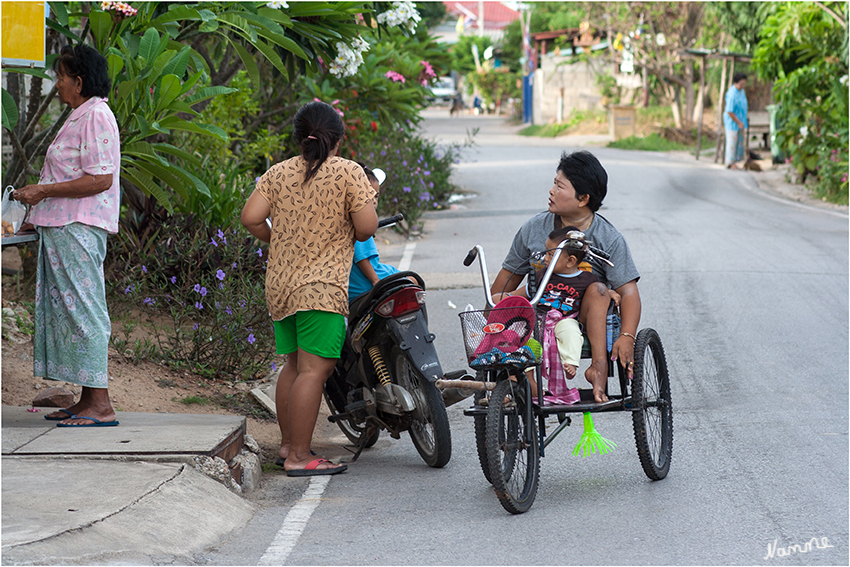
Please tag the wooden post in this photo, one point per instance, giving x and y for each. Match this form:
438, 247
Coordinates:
720, 102
702, 98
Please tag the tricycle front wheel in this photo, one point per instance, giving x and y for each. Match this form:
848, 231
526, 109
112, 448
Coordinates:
512, 447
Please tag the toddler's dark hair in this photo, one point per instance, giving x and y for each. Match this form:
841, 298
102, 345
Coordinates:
560, 234
370, 175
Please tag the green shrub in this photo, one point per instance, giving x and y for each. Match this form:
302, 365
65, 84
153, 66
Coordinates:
418, 173
202, 296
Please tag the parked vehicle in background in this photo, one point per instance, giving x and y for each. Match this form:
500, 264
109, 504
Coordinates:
443, 91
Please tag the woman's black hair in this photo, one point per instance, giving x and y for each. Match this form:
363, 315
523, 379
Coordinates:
317, 129
587, 176
88, 64
737, 77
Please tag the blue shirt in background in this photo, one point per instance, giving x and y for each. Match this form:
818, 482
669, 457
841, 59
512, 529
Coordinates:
358, 283
736, 103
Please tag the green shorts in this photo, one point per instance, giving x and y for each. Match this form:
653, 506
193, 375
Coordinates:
317, 332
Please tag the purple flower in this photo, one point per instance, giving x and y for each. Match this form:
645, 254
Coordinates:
431, 185
406, 189
404, 162
383, 152
195, 326
197, 287
217, 305
425, 196
251, 338
130, 288
234, 265
220, 285
260, 252
427, 173
220, 234
203, 292
174, 279
199, 305
144, 269
242, 303
274, 367
213, 242
228, 310
220, 274
257, 180
149, 301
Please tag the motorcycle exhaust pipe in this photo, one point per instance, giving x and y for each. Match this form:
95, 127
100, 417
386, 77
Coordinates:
455, 391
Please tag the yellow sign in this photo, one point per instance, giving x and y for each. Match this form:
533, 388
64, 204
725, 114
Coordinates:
23, 34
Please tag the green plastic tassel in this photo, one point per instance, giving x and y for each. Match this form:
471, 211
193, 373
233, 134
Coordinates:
591, 441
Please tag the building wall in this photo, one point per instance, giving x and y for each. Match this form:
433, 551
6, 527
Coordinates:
575, 82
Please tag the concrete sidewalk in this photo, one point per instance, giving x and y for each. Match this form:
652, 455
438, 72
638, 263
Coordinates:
118, 495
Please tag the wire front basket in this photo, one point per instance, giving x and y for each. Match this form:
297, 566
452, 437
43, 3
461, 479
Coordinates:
498, 338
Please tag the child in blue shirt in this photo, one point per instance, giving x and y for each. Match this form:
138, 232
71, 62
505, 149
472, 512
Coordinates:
367, 269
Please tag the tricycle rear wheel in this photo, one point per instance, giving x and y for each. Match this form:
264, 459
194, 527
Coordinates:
652, 416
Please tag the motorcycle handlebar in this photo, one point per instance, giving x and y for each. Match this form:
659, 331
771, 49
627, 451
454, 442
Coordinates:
391, 220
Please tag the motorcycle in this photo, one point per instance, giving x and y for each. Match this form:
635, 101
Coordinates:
385, 376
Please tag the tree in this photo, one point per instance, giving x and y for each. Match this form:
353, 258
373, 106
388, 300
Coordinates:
658, 32
804, 51
166, 58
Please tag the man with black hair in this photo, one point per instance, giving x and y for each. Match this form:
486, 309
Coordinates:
735, 120
580, 186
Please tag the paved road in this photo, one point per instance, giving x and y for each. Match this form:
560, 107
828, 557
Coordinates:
749, 294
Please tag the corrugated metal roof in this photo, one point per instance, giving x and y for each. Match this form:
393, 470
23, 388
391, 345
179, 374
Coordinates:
496, 14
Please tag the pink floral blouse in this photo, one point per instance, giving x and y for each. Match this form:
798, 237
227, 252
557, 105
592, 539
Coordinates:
87, 144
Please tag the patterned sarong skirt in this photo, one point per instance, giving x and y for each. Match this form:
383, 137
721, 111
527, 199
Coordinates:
72, 325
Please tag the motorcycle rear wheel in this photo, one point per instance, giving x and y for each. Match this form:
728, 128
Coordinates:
429, 427
336, 395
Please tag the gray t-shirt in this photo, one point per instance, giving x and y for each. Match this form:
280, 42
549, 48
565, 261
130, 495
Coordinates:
532, 236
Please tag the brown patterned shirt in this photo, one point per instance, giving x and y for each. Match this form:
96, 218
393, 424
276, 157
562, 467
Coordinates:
312, 240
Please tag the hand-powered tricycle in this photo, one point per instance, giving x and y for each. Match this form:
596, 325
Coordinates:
509, 446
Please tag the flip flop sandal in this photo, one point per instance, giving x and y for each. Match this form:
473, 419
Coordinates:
280, 460
311, 470
96, 422
54, 418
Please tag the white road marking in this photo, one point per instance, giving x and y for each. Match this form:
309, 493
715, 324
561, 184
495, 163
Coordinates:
295, 522
406, 257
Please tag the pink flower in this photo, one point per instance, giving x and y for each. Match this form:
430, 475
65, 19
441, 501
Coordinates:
429, 70
396, 77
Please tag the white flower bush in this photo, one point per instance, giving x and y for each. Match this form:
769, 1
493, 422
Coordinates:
277, 5
348, 58
402, 14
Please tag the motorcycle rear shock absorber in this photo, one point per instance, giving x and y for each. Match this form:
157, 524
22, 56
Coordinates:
380, 367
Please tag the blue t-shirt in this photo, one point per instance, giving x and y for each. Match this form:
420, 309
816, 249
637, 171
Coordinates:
358, 283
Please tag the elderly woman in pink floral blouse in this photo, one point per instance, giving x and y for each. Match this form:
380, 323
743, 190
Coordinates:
75, 205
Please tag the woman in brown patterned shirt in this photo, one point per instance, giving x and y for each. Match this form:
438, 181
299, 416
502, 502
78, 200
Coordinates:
317, 203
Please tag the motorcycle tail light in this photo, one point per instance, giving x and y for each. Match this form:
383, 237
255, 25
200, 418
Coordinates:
401, 302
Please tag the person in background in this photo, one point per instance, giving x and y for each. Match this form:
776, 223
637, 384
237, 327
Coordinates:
75, 204
735, 121
318, 203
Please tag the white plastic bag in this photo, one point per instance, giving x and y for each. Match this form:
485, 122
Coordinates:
14, 213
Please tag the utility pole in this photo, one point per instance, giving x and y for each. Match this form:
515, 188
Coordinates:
480, 18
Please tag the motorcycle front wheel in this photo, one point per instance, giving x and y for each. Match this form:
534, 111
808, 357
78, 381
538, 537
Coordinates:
336, 396
429, 427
